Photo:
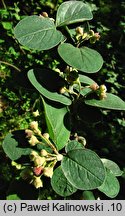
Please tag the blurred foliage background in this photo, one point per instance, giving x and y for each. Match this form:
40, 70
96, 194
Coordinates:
107, 137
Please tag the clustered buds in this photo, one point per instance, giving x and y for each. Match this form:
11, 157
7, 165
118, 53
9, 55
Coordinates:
18, 166
32, 133
43, 163
91, 35
102, 92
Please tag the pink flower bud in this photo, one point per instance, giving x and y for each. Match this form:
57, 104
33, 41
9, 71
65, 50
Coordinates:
38, 170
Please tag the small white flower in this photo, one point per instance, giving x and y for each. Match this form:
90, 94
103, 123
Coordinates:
33, 140
46, 135
36, 113
39, 161
44, 153
34, 125
37, 182
48, 172
29, 133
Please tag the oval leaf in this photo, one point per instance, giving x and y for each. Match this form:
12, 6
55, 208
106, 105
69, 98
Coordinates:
73, 145
37, 33
12, 197
83, 59
111, 102
85, 79
112, 166
48, 83
14, 145
83, 169
72, 12
60, 184
58, 122
111, 186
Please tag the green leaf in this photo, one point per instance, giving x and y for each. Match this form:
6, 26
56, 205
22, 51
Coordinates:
112, 166
85, 79
72, 145
12, 197
60, 184
44, 146
58, 123
15, 145
83, 169
72, 12
111, 102
84, 59
110, 186
37, 33
85, 91
48, 83
7, 25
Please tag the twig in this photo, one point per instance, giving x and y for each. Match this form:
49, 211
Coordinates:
4, 5
7, 63
49, 144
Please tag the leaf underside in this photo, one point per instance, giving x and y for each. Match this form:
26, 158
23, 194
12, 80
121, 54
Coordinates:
72, 12
37, 33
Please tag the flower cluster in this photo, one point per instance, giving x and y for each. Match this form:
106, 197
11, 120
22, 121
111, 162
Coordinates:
43, 164
100, 90
90, 35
